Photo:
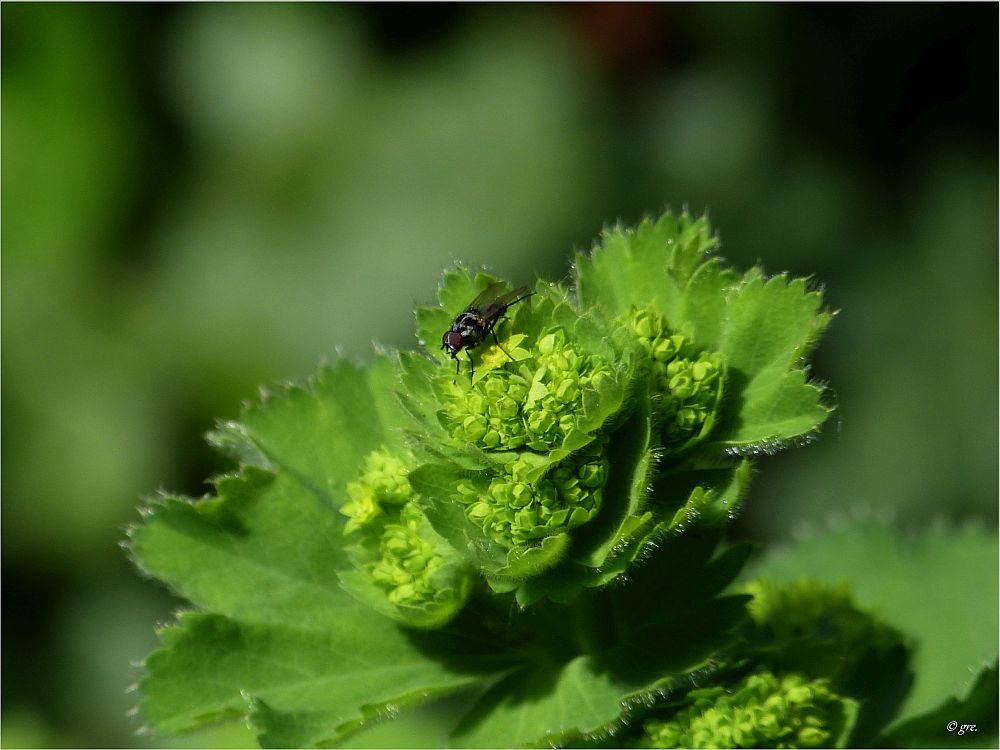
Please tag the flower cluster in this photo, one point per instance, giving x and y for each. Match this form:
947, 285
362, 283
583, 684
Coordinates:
534, 405
408, 562
488, 414
562, 374
514, 511
394, 543
381, 486
689, 382
762, 710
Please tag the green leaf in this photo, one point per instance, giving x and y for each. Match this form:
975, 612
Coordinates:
689, 572
631, 466
291, 729
435, 486
763, 414
401, 724
969, 721
525, 562
213, 668
709, 496
769, 328
321, 432
262, 558
700, 307
652, 263
212, 551
771, 324
421, 402
232, 439
548, 703
939, 587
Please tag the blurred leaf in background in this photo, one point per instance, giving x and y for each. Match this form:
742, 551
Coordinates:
329, 188
939, 586
202, 198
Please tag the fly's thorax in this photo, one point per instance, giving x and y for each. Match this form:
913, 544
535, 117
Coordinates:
468, 321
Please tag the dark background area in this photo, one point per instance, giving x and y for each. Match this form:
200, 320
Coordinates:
198, 199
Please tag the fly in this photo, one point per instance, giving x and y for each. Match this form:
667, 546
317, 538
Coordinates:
479, 319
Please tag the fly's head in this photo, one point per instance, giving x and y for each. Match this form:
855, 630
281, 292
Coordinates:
452, 342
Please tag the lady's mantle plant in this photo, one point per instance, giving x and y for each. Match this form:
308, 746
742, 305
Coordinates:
540, 537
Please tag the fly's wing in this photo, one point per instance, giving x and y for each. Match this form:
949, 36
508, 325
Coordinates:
492, 301
488, 295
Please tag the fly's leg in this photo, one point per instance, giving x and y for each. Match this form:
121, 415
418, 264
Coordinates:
472, 365
497, 341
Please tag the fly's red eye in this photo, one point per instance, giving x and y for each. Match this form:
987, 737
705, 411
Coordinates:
453, 339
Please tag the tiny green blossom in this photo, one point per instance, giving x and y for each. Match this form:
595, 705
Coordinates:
515, 512
563, 372
687, 381
408, 562
396, 547
763, 710
693, 388
382, 483
488, 413
532, 403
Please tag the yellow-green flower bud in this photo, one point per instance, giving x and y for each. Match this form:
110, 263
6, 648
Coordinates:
382, 484
555, 398
534, 406
515, 512
407, 562
362, 508
647, 325
488, 413
396, 548
666, 348
475, 427
687, 381
763, 710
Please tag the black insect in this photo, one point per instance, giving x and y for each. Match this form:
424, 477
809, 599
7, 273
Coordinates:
478, 319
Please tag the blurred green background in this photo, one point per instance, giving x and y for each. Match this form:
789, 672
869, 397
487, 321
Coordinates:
198, 199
